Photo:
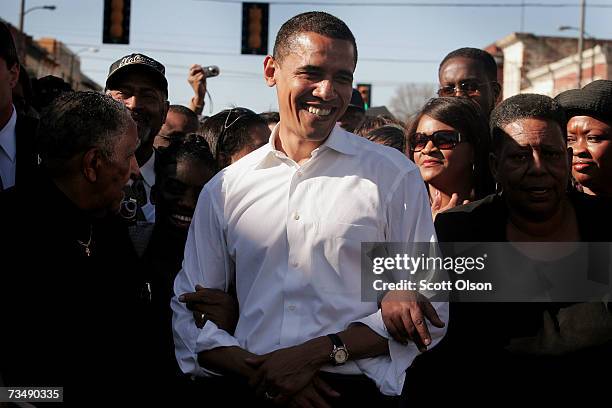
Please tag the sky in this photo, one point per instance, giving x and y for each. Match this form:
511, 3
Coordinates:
397, 44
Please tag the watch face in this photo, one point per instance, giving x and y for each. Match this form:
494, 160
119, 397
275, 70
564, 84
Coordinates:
340, 356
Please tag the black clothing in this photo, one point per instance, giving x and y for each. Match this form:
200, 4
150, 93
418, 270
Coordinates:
26, 157
71, 320
355, 391
485, 220
159, 266
472, 363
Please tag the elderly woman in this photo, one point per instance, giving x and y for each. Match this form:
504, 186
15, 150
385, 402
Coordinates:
448, 141
519, 349
589, 134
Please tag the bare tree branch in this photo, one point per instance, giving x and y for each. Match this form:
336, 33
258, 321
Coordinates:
409, 99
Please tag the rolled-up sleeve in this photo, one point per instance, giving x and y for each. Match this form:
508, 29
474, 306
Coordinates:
408, 220
208, 264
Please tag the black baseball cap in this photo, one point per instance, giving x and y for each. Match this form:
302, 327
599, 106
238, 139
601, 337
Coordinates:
138, 62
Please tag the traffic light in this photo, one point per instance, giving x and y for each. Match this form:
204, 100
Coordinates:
366, 94
116, 27
255, 28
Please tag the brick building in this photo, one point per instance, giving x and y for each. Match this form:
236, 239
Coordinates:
548, 65
48, 56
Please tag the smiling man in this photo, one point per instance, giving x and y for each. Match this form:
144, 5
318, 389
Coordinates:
139, 83
283, 226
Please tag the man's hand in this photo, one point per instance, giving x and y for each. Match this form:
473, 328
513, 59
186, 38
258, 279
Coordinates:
197, 80
404, 313
284, 372
314, 395
214, 305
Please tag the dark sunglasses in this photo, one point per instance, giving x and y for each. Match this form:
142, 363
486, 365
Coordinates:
442, 139
468, 87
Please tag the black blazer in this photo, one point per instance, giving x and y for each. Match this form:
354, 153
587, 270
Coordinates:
26, 130
471, 364
485, 220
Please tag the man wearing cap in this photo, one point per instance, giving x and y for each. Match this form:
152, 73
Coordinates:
139, 82
355, 113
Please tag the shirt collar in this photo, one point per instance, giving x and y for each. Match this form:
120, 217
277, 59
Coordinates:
8, 138
341, 141
338, 140
147, 171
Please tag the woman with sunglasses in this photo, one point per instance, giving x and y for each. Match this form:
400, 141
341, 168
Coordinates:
448, 141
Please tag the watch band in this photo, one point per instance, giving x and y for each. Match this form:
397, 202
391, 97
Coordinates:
336, 340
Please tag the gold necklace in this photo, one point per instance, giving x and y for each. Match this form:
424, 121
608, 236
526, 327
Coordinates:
86, 245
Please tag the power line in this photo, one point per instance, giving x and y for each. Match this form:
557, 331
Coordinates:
419, 4
231, 54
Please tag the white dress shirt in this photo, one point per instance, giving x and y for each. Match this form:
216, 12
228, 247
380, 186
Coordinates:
148, 175
288, 237
8, 151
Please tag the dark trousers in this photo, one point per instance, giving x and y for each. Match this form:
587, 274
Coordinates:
355, 391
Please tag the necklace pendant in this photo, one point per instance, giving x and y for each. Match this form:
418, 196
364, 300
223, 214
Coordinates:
87, 251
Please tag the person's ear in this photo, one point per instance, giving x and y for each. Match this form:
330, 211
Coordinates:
270, 67
90, 164
496, 88
165, 111
13, 75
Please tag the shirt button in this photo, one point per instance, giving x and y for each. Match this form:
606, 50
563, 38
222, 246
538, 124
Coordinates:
294, 264
299, 174
296, 216
291, 308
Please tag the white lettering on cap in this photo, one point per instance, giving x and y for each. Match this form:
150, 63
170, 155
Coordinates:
137, 59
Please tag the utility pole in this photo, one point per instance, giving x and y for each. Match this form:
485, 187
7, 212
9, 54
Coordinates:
22, 42
581, 42
21, 14
522, 16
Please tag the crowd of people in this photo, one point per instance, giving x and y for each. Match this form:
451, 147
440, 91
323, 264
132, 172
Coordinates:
152, 253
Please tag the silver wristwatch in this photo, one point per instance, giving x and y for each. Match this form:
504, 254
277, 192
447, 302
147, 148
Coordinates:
339, 354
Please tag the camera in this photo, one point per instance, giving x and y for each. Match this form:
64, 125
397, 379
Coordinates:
128, 209
211, 71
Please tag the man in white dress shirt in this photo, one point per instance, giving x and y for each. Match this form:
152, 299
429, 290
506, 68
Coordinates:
283, 226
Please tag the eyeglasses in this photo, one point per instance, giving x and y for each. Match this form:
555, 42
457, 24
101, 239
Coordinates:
442, 139
467, 87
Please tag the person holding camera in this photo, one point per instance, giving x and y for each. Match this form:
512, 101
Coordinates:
197, 79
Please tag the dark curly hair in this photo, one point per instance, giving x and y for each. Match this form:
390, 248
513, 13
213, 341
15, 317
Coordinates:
486, 59
77, 121
228, 131
191, 146
315, 22
525, 106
